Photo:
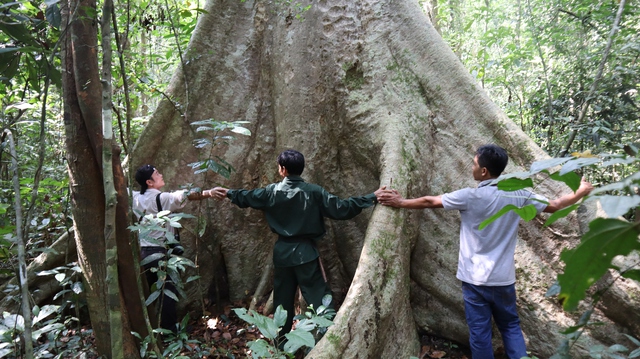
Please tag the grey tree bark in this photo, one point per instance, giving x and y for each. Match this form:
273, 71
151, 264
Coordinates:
372, 96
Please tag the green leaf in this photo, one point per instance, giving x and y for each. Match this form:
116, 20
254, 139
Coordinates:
615, 206
260, 348
571, 179
280, 316
527, 213
306, 325
53, 15
514, 184
298, 339
578, 163
152, 297
560, 214
585, 264
538, 166
241, 130
44, 312
326, 300
632, 339
46, 329
9, 49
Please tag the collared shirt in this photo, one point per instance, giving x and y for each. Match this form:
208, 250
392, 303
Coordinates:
144, 204
486, 256
295, 210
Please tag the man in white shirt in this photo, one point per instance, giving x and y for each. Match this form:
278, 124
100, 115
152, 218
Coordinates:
486, 263
150, 200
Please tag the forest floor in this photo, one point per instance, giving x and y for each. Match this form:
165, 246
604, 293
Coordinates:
226, 336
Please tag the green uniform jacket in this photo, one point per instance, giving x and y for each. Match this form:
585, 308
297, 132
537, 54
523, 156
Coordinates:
295, 211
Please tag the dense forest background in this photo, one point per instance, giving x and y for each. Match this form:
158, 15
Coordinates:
565, 71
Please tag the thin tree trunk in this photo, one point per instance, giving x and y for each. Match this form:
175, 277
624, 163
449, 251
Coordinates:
22, 260
84, 140
111, 248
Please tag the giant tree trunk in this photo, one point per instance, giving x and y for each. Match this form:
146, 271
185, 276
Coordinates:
370, 93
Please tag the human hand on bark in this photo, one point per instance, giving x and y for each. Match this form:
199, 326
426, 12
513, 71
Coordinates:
388, 197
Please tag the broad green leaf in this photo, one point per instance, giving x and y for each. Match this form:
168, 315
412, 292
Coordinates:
298, 339
538, 166
578, 163
618, 348
46, 329
514, 184
326, 300
560, 214
632, 339
585, 264
615, 206
527, 213
280, 316
321, 322
241, 130
9, 49
44, 312
77, 287
571, 179
260, 348
242, 314
306, 325
615, 161
152, 297
14, 321
53, 15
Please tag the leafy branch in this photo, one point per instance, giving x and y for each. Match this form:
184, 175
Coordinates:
606, 238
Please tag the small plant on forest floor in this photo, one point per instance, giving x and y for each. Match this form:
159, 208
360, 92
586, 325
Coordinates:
310, 327
177, 345
53, 331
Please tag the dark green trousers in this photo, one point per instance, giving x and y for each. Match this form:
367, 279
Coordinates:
308, 277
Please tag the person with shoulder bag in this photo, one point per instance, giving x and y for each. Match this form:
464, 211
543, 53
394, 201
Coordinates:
160, 242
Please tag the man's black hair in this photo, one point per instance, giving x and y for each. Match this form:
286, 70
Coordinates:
142, 175
293, 161
493, 157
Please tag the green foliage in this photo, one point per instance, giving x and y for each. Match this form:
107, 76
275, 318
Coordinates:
585, 264
572, 334
53, 332
606, 238
170, 266
538, 61
302, 336
176, 344
213, 129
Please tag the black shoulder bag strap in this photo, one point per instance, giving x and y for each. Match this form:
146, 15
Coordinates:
176, 233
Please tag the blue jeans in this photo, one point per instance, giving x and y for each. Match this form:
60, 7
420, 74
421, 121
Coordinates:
480, 304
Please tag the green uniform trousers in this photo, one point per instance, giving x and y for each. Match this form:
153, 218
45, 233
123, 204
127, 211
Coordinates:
286, 281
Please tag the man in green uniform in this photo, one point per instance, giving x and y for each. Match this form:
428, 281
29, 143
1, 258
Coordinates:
295, 210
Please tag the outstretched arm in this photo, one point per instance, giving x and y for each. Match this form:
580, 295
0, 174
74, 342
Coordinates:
569, 199
197, 196
392, 198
